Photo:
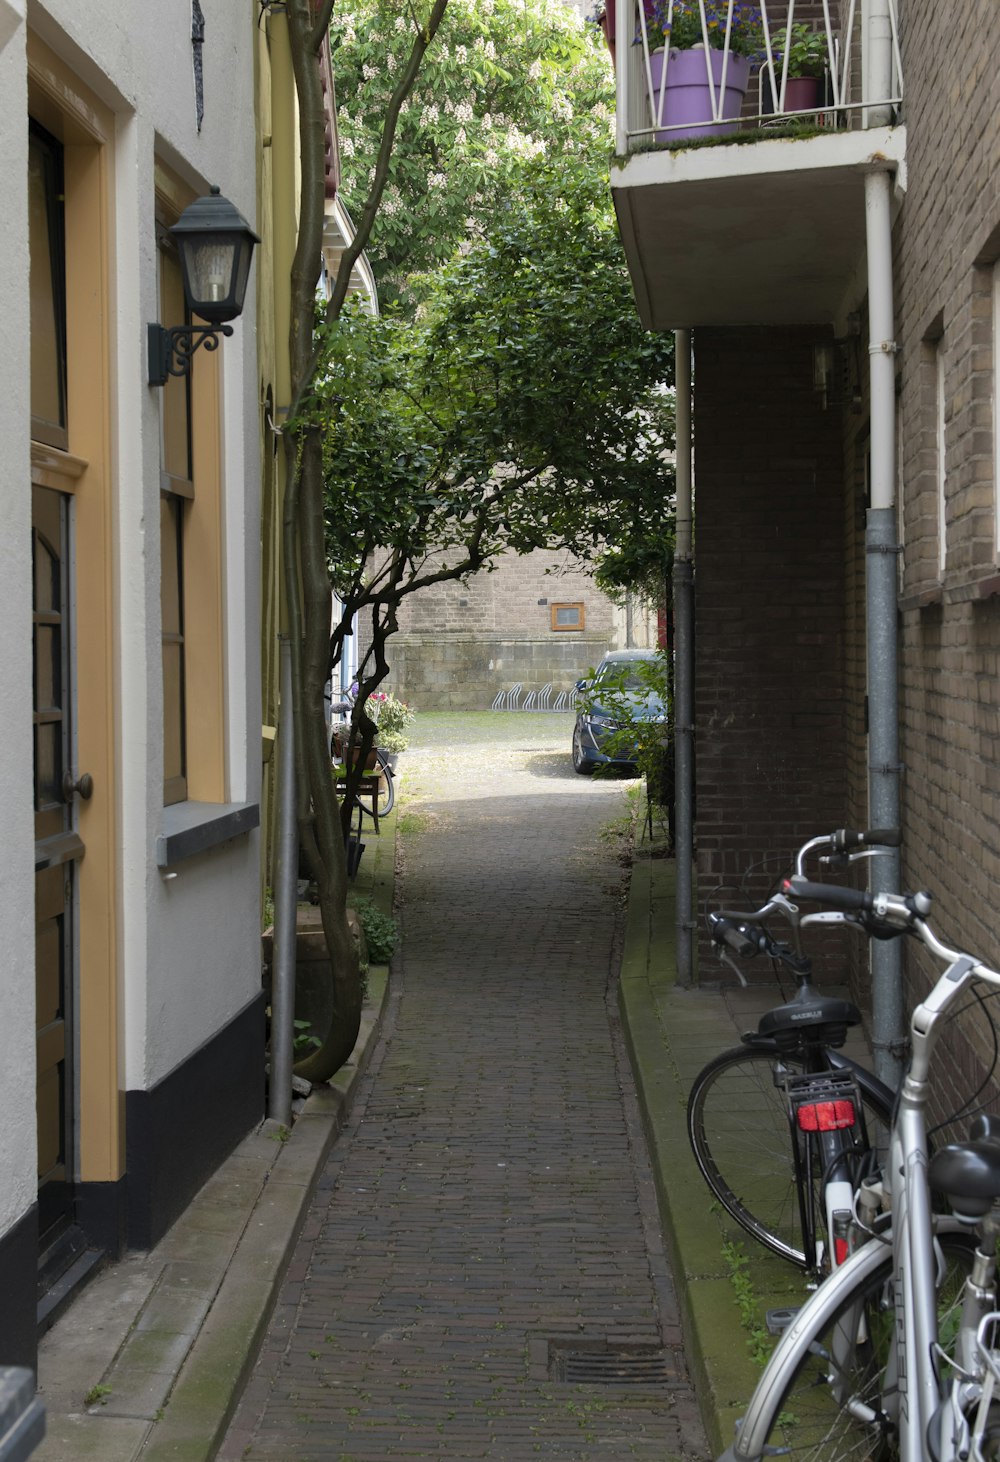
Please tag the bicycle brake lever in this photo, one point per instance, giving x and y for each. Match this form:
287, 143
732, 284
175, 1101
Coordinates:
840, 860
728, 959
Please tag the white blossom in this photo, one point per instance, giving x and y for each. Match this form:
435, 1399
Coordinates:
400, 23
463, 112
461, 54
492, 158
535, 70
369, 72
390, 63
437, 180
347, 147
490, 50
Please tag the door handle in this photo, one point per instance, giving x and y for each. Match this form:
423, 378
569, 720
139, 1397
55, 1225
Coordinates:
82, 787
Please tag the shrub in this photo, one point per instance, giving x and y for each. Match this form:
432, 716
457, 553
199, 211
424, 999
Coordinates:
380, 930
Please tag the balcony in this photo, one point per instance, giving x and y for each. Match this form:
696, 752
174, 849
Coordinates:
740, 200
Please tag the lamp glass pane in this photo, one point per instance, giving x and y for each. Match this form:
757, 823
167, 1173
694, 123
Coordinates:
209, 264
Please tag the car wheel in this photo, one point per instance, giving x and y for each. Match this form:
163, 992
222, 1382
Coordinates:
580, 763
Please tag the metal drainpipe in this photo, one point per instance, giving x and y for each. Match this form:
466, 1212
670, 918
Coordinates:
881, 553
285, 890
881, 550
683, 576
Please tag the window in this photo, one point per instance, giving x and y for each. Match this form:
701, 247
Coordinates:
996, 406
48, 288
940, 444
568, 616
176, 490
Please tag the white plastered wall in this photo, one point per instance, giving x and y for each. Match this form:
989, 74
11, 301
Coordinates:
17, 980
189, 944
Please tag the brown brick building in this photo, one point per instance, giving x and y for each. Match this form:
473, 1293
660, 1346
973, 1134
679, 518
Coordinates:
537, 621
815, 425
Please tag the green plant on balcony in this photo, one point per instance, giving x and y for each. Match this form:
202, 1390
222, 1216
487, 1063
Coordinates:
807, 53
679, 28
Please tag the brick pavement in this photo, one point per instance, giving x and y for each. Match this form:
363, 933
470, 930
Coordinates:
490, 1199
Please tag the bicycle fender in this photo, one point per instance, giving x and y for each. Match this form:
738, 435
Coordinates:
788, 1353
871, 1086
815, 1314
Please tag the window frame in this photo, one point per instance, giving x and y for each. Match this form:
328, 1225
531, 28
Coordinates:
176, 490
581, 611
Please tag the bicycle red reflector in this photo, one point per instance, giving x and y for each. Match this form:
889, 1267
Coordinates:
839, 1252
825, 1116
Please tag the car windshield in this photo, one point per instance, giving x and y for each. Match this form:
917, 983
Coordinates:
626, 674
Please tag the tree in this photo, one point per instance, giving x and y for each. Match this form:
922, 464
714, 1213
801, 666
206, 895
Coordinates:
507, 81
307, 583
520, 409
524, 407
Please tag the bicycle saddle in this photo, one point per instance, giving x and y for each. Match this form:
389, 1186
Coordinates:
812, 1017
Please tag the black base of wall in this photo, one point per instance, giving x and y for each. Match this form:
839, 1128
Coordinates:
18, 1283
101, 1210
178, 1133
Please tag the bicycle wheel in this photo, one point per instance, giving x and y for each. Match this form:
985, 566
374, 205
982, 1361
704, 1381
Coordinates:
739, 1133
842, 1401
384, 797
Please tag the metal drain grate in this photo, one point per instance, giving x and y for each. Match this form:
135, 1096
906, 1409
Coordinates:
608, 1365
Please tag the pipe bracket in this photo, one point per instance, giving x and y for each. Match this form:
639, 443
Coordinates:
883, 548
883, 347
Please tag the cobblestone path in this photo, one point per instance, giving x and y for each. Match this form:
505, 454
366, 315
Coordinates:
487, 1217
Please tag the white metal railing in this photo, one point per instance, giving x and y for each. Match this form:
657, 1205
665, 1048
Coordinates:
677, 95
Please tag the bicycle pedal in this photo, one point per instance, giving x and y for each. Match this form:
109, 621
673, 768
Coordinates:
778, 1321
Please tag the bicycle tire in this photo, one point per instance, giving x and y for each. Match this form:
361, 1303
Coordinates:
385, 796
822, 1412
739, 1134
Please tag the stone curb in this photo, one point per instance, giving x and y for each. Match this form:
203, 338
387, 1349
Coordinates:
218, 1364
670, 1032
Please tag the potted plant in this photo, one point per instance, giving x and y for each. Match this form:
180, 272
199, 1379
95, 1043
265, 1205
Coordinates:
693, 84
807, 60
391, 716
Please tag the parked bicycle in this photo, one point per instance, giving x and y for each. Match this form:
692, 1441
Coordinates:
785, 1127
376, 792
897, 1354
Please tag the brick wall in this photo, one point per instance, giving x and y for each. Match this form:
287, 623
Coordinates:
770, 622
946, 239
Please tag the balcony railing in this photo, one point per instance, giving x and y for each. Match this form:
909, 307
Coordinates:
741, 74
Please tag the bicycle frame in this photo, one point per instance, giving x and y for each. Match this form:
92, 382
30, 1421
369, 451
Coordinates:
913, 1360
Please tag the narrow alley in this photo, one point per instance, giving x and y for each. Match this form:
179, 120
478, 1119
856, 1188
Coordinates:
481, 1273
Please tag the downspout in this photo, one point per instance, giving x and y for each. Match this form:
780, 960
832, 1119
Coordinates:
285, 174
279, 1105
683, 578
881, 550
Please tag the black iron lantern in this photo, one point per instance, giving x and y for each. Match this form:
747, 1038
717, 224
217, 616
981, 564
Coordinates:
215, 244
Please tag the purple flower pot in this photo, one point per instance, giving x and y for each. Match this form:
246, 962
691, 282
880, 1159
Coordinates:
688, 98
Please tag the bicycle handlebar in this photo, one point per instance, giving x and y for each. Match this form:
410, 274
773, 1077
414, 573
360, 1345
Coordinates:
883, 915
885, 837
835, 895
738, 938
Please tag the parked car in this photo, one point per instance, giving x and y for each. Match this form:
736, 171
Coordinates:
596, 723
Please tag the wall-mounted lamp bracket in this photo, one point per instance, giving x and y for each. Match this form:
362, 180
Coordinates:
170, 351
